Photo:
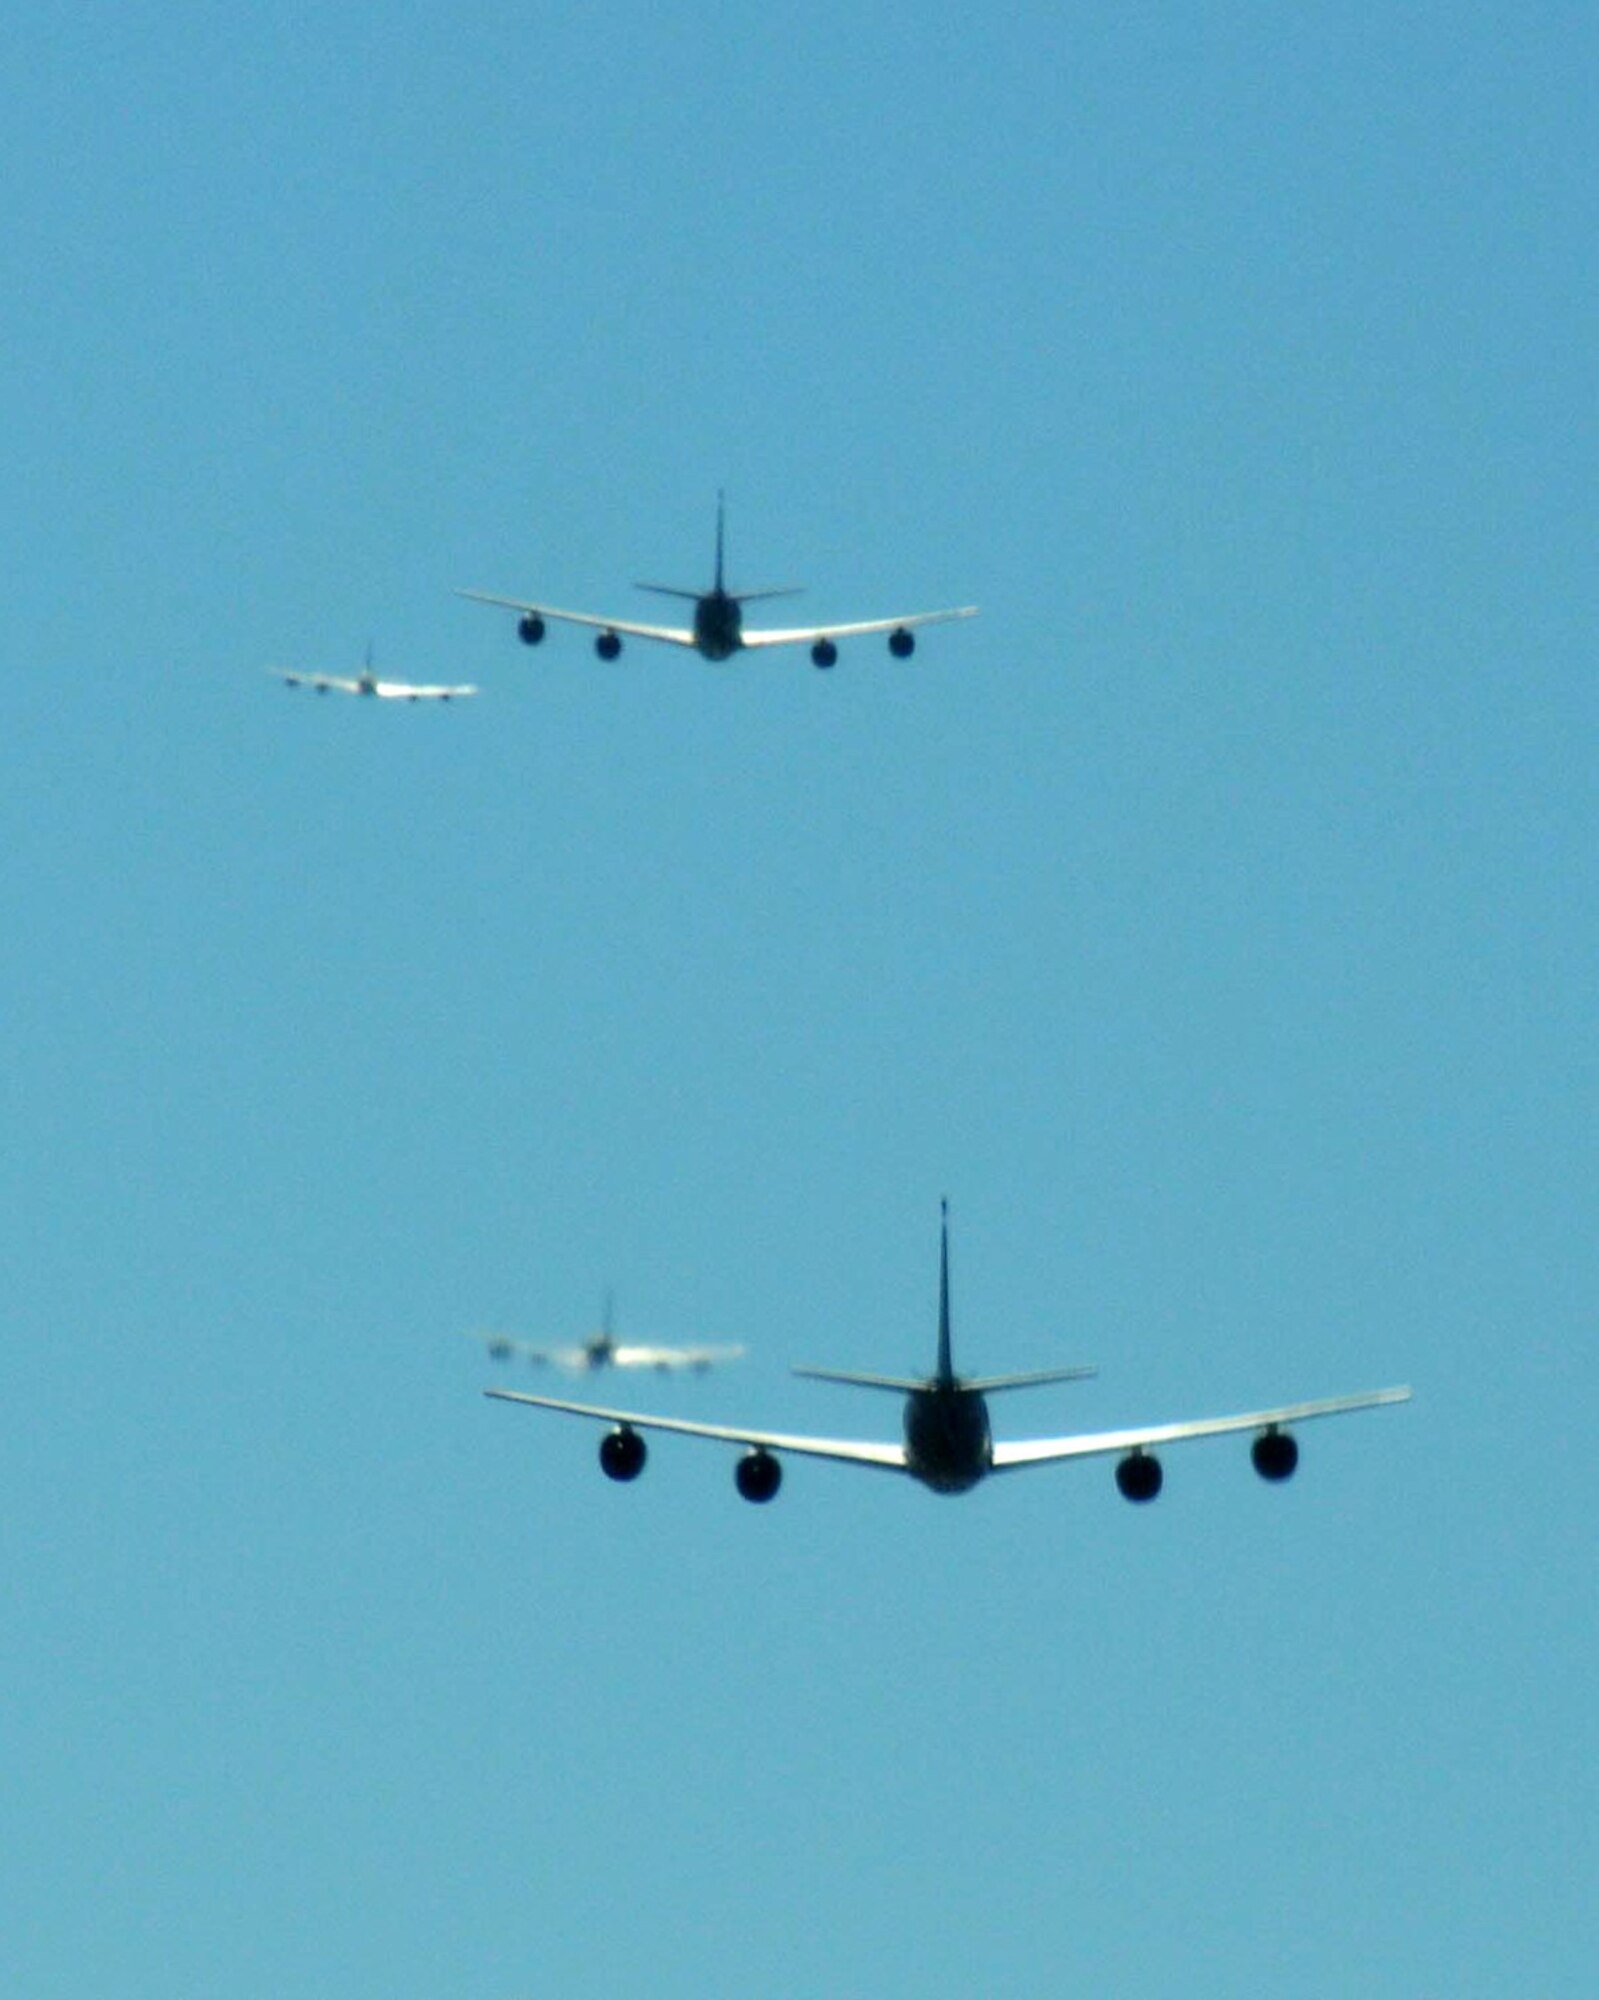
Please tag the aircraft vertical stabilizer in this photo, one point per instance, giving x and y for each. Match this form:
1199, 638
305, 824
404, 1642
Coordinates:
946, 1371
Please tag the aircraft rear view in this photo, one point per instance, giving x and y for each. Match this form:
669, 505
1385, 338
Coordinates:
718, 631
603, 1350
369, 684
947, 1443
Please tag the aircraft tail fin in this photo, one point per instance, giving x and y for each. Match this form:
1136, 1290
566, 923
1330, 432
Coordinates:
946, 1371
719, 587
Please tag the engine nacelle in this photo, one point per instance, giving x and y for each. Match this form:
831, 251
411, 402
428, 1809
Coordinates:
622, 1453
608, 645
530, 630
1139, 1476
758, 1476
1274, 1454
902, 643
824, 654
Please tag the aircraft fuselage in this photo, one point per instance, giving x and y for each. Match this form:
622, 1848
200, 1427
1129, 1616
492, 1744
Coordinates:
948, 1444
718, 626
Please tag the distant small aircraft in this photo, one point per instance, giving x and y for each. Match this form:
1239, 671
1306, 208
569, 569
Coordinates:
368, 683
948, 1445
718, 631
604, 1350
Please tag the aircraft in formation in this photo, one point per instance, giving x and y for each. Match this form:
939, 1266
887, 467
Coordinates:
718, 630
947, 1443
368, 683
604, 1350
717, 633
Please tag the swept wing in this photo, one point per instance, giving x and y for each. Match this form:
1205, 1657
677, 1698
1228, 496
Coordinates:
807, 635
1006, 1457
634, 1354
670, 635
891, 1457
1091, 1444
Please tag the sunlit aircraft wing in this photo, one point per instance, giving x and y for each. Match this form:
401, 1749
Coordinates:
807, 635
1090, 1444
891, 1457
633, 1354
669, 635
413, 691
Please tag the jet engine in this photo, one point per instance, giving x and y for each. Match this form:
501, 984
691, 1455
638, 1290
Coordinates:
608, 645
530, 630
1274, 1455
1139, 1476
824, 654
622, 1453
758, 1476
902, 643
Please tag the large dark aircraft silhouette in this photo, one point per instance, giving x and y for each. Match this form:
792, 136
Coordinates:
718, 630
947, 1443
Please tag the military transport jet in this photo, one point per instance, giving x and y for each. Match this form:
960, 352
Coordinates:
604, 1350
718, 631
948, 1445
367, 682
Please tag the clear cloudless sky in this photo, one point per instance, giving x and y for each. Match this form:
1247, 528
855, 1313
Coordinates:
1212, 921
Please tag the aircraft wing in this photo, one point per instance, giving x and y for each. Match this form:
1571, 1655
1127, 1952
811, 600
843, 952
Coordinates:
807, 635
633, 1354
322, 682
501, 1346
1090, 1444
852, 1451
669, 635
414, 691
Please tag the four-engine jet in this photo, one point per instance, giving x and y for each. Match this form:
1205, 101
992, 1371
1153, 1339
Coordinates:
718, 631
368, 683
604, 1350
947, 1442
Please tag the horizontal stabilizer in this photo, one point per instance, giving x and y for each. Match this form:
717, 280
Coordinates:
902, 1384
983, 1384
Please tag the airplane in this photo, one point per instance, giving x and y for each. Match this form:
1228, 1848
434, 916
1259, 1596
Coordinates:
367, 683
718, 631
603, 1350
948, 1445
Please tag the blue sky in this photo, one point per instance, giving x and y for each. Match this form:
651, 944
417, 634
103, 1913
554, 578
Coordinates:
1212, 921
